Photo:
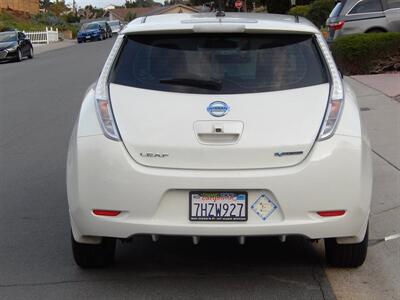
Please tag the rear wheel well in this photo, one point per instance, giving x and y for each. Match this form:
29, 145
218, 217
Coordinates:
376, 29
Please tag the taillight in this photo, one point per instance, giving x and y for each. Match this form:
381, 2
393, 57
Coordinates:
103, 104
106, 119
336, 95
336, 26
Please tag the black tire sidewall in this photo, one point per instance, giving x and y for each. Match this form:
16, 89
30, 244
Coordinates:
94, 255
31, 54
346, 255
19, 55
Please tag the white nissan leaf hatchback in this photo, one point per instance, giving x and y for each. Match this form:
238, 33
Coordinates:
231, 125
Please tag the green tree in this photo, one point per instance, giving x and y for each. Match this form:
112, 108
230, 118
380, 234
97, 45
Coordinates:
57, 8
278, 6
45, 4
303, 2
92, 12
145, 3
319, 11
130, 4
71, 18
300, 10
129, 16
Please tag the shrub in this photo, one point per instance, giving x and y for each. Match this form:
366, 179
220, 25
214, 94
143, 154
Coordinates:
278, 6
71, 18
319, 11
367, 53
48, 19
303, 2
39, 22
300, 10
9, 21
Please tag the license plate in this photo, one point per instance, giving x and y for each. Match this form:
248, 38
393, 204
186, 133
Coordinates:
88, 37
217, 206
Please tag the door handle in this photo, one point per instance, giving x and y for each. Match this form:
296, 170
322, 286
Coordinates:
218, 132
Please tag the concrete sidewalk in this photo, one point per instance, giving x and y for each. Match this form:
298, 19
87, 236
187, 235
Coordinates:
379, 277
388, 84
41, 48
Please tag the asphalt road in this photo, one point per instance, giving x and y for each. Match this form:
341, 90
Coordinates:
39, 101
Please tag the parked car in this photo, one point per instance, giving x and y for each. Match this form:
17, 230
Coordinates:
116, 26
14, 45
217, 132
91, 32
107, 28
363, 16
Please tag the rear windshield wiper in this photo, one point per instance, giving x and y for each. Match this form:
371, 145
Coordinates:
209, 84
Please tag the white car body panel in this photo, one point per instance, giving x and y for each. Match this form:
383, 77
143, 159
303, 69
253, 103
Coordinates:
233, 22
274, 122
153, 196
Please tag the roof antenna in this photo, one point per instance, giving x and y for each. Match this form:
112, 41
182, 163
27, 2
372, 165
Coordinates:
220, 12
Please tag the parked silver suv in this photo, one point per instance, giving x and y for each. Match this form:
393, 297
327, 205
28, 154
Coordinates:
359, 16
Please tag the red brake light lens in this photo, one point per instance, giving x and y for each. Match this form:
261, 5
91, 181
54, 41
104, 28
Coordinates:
337, 25
107, 213
331, 213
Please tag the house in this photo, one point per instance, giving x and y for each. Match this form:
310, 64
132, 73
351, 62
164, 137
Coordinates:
122, 14
28, 6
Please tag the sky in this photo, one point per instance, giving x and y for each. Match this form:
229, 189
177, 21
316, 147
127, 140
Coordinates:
99, 3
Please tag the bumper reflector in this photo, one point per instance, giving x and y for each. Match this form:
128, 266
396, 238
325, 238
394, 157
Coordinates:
108, 213
331, 213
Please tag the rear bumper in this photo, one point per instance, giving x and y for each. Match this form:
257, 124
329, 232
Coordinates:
88, 38
101, 175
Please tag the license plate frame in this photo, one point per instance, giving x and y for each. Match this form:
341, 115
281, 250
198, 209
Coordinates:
243, 214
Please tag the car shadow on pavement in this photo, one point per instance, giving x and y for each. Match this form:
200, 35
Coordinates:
224, 254
175, 268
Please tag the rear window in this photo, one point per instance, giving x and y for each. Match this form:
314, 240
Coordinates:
336, 10
90, 26
219, 63
366, 6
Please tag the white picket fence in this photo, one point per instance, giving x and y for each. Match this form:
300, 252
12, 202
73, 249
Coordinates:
47, 37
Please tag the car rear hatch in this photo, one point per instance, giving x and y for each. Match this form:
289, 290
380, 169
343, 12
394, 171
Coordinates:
219, 101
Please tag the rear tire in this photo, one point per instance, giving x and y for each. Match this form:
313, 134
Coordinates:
19, 56
346, 255
94, 256
30, 55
